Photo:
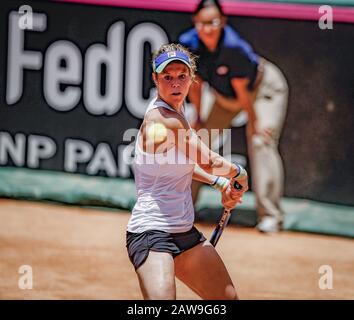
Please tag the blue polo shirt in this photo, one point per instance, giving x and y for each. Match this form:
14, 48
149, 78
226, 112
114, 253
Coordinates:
233, 58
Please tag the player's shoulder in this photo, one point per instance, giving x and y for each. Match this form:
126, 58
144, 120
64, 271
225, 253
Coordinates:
189, 39
169, 118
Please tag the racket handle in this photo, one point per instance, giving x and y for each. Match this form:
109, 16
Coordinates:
223, 220
220, 227
237, 186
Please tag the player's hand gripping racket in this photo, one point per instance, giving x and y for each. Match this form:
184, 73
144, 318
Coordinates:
223, 221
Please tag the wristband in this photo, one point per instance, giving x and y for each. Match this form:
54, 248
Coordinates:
220, 183
241, 172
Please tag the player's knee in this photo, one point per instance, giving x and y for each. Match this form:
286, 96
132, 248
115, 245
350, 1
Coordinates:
164, 294
162, 291
230, 293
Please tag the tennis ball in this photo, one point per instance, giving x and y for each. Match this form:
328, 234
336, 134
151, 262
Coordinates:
157, 132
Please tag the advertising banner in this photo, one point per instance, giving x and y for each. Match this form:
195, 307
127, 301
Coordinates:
75, 81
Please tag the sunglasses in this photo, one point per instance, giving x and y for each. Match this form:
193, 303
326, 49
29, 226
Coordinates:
215, 23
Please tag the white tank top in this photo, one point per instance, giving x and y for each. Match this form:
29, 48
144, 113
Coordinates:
163, 184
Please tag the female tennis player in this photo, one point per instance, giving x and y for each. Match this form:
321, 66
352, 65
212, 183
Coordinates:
162, 241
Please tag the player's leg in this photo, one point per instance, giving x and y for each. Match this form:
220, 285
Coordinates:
157, 277
202, 270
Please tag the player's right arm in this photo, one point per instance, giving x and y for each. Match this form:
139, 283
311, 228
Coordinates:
180, 134
192, 146
229, 196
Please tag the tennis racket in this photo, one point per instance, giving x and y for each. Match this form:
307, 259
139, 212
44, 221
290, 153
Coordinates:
223, 221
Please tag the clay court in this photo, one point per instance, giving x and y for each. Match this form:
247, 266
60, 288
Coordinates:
79, 253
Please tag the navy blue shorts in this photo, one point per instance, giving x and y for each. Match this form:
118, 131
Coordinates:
139, 244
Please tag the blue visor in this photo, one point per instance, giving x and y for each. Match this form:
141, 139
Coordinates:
162, 60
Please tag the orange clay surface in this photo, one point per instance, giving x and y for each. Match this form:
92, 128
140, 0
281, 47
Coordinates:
79, 253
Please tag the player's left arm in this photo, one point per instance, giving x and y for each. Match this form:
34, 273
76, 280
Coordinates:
200, 175
229, 197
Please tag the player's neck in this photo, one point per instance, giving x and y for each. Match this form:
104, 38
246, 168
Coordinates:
177, 106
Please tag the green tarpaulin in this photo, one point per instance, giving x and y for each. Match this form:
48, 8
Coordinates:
300, 215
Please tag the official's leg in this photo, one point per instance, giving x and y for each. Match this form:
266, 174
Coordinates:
267, 178
202, 270
266, 163
157, 277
